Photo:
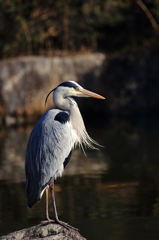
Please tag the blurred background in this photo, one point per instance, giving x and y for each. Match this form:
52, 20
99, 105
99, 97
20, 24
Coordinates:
110, 47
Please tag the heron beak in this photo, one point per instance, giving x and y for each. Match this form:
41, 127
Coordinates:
87, 93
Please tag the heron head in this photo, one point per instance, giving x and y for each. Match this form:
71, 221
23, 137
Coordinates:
73, 89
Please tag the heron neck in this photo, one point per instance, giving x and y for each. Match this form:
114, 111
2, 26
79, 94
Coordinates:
69, 104
77, 120
61, 102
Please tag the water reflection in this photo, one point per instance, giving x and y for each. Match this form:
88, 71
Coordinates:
111, 194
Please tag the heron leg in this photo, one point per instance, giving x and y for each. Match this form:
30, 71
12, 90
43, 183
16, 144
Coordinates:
53, 199
66, 225
47, 203
48, 220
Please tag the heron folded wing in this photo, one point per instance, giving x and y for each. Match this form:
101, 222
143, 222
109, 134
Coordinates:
49, 145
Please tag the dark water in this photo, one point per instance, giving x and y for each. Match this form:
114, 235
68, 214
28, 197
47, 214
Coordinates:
112, 194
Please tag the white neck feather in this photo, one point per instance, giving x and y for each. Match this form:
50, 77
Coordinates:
69, 104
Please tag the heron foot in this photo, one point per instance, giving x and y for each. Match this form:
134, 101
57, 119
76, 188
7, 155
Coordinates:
47, 221
66, 225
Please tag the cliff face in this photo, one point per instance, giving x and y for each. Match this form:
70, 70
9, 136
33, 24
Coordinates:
130, 84
25, 82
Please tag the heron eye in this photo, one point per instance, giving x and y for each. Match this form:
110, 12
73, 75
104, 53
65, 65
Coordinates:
76, 89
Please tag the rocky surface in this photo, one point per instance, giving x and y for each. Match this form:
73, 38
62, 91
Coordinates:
45, 232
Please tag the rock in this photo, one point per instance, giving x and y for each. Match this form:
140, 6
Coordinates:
26, 81
46, 232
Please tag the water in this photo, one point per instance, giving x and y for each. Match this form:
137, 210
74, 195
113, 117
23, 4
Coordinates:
112, 194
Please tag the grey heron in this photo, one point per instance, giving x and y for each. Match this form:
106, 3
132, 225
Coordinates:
51, 143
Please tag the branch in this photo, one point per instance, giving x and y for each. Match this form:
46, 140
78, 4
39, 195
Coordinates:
148, 14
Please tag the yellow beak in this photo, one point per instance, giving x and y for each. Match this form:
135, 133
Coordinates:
87, 93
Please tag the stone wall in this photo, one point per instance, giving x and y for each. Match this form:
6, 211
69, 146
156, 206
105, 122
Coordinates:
25, 82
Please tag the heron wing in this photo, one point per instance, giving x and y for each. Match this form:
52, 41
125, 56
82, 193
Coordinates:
50, 143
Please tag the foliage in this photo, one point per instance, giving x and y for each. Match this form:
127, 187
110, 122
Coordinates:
46, 27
